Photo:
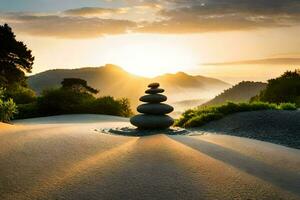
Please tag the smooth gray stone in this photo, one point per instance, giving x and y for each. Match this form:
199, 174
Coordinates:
153, 85
153, 98
154, 91
155, 108
152, 121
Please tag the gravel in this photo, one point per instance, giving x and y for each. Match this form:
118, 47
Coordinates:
279, 127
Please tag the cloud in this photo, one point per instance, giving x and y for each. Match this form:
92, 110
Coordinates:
212, 7
266, 61
95, 11
187, 25
160, 16
66, 26
224, 15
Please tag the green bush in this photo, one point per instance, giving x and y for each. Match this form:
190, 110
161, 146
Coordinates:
125, 107
65, 101
73, 97
105, 105
188, 114
20, 94
202, 115
61, 101
28, 111
8, 108
202, 119
285, 88
287, 106
110, 106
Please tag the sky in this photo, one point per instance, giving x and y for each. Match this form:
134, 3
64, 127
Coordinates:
153, 37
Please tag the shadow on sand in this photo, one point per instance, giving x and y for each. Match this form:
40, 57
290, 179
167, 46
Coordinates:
281, 178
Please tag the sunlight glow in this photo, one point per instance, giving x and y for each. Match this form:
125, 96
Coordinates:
151, 59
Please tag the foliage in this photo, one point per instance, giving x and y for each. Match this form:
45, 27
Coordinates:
62, 101
65, 101
287, 106
15, 61
15, 58
201, 115
108, 105
8, 108
125, 107
78, 85
285, 88
201, 119
28, 110
20, 94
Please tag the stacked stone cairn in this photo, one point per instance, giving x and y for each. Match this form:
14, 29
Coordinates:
154, 112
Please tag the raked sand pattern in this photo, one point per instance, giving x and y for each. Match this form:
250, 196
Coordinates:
65, 158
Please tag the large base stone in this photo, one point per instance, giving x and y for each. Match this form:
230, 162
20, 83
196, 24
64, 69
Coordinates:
130, 131
152, 121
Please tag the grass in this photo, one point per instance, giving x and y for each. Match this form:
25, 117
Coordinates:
202, 115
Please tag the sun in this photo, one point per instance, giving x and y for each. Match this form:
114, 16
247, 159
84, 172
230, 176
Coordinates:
146, 55
151, 58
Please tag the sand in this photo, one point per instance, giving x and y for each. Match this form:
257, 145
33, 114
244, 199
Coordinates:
65, 158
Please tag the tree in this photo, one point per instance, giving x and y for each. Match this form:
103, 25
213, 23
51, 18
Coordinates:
285, 88
15, 58
78, 85
63, 101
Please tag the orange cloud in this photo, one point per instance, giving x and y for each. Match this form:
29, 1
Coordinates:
67, 26
169, 16
92, 11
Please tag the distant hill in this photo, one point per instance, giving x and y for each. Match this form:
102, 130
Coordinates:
113, 80
243, 91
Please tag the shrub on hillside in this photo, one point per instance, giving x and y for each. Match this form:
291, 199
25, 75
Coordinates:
202, 119
125, 107
285, 88
61, 101
8, 108
20, 94
202, 115
64, 101
110, 106
28, 111
287, 106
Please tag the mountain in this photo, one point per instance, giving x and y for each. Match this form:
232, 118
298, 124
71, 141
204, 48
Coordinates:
243, 91
266, 61
113, 80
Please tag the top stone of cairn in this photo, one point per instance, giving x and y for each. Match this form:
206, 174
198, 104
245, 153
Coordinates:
154, 89
153, 85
